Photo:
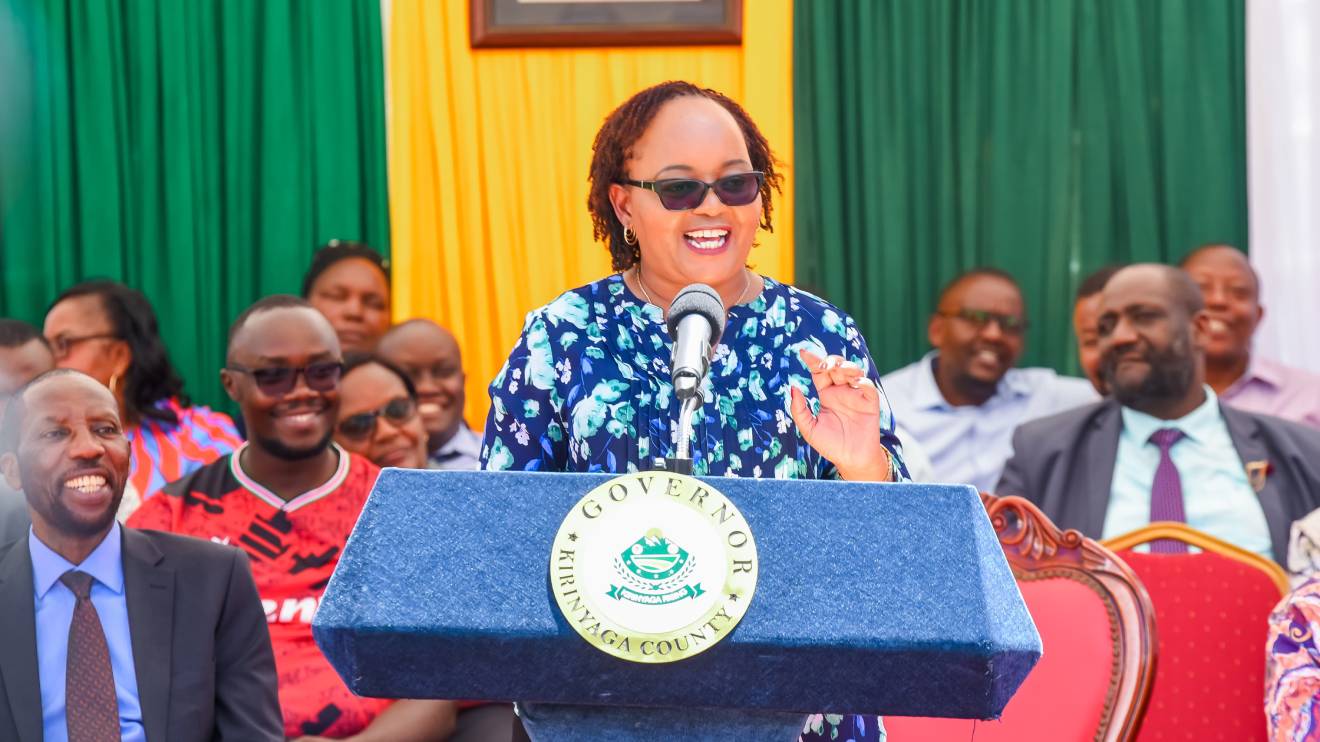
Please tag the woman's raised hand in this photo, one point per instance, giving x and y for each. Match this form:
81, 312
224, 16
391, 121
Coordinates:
846, 430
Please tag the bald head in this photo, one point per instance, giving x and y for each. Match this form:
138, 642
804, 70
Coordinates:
11, 416
416, 332
429, 354
1171, 283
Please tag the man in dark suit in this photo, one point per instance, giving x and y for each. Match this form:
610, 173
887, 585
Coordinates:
112, 633
1163, 448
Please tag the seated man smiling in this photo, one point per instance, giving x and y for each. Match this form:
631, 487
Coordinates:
289, 498
137, 634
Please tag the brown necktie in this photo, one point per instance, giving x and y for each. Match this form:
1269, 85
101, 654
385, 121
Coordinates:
90, 707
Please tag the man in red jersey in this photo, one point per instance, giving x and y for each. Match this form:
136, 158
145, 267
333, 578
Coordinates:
289, 498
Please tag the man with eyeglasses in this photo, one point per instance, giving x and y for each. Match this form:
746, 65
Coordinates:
290, 498
962, 400
24, 355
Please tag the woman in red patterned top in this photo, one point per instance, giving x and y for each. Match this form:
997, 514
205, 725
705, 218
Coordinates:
109, 332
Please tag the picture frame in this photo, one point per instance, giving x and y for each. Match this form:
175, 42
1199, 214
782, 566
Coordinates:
588, 23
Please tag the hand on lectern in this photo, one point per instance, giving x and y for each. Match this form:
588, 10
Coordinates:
846, 430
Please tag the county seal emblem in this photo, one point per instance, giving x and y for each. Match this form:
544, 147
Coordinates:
653, 567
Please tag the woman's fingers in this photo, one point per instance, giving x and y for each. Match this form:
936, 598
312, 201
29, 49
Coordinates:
819, 368
829, 370
870, 392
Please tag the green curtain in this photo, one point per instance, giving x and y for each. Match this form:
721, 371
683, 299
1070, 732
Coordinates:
198, 150
1044, 137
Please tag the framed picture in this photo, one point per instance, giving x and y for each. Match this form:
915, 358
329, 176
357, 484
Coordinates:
512, 23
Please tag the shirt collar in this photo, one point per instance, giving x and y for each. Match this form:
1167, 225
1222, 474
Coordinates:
926, 394
1196, 424
293, 503
103, 564
463, 442
1262, 370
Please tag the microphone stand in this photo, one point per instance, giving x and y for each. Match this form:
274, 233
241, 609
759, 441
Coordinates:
688, 389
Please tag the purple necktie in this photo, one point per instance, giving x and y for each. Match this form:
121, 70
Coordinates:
1166, 498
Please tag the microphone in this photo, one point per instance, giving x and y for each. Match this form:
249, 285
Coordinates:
695, 321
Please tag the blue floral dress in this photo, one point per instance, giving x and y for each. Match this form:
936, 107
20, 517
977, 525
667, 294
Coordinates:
587, 389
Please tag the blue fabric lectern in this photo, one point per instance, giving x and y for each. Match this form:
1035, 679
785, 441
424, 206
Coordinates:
871, 598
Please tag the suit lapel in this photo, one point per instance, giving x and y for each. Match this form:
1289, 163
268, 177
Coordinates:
18, 650
1246, 435
1099, 454
149, 589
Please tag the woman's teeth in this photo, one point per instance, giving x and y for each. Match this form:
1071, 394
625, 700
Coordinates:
1218, 325
707, 239
86, 484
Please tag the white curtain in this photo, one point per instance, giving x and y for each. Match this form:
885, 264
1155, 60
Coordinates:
1283, 162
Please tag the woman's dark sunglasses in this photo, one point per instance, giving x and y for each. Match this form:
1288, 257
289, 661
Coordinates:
277, 381
362, 425
682, 194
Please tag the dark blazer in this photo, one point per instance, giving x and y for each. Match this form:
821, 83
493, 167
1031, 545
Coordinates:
1065, 465
14, 520
205, 669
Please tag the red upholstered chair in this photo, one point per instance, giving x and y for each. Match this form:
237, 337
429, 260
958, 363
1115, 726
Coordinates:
1098, 631
1213, 610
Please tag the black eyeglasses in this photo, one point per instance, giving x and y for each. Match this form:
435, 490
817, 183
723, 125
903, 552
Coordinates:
62, 345
682, 194
363, 425
1008, 324
277, 381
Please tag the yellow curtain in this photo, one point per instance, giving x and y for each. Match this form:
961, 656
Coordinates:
488, 158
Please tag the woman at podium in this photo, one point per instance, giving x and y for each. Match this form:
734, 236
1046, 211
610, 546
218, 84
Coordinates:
681, 180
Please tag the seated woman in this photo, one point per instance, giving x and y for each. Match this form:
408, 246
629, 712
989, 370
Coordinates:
378, 419
681, 183
378, 413
109, 332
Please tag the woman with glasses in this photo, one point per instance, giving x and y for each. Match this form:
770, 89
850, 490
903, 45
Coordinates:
378, 419
378, 413
109, 332
681, 181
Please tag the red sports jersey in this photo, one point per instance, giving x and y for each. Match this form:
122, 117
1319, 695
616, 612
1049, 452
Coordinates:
294, 547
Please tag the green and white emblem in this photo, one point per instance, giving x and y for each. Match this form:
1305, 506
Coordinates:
655, 571
653, 567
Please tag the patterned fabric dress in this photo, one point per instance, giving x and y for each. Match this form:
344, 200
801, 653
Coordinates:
163, 452
1292, 669
587, 389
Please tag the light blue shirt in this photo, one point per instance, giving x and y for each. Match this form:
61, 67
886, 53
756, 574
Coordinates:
970, 443
54, 606
1217, 498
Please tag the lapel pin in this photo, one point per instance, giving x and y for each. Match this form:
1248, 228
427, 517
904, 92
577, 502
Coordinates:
1258, 472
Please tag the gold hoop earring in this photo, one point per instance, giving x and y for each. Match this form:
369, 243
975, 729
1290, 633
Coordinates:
629, 236
114, 383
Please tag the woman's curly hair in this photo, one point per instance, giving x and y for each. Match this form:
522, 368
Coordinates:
151, 380
613, 148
